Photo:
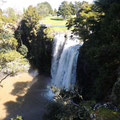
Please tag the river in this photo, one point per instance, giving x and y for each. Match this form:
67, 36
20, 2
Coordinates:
24, 95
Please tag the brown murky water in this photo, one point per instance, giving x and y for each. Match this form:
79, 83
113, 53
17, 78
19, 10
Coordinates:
24, 95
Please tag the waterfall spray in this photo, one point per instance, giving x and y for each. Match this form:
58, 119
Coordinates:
64, 61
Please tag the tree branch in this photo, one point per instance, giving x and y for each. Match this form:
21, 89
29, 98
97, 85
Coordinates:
4, 78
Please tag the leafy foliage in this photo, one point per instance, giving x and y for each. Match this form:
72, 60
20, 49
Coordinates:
64, 10
12, 14
43, 47
99, 58
44, 9
27, 30
11, 61
69, 105
23, 50
36, 38
84, 21
17, 118
65, 106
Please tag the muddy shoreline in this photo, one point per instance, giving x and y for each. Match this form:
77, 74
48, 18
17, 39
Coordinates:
25, 95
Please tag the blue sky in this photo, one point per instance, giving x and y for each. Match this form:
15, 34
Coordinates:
20, 4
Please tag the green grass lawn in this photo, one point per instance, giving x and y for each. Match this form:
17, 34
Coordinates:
55, 23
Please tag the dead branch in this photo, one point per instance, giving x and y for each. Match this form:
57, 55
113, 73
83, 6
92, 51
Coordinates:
4, 78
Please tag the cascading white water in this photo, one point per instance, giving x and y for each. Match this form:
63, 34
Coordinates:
64, 61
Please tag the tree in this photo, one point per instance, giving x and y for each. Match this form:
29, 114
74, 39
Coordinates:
27, 30
11, 61
99, 58
72, 7
77, 6
84, 21
23, 50
11, 13
44, 9
43, 47
1, 12
17, 118
37, 39
64, 10
55, 12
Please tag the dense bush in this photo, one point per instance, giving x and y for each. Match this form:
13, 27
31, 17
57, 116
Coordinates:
37, 39
65, 107
17, 118
13, 62
99, 26
43, 47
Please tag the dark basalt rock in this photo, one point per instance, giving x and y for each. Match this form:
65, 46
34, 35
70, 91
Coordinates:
116, 93
108, 105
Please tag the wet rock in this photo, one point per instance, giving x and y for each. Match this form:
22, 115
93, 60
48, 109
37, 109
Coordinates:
97, 106
116, 93
107, 105
92, 116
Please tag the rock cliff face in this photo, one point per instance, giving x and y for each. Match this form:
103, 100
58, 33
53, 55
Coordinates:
83, 76
95, 80
115, 96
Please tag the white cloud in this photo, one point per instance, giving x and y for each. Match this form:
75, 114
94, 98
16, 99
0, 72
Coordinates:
20, 4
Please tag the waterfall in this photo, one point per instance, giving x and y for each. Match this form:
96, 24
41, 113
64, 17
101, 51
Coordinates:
64, 61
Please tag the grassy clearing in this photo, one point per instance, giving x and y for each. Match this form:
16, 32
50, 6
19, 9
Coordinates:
55, 23
54, 20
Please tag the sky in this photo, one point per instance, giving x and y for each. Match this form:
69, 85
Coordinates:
20, 4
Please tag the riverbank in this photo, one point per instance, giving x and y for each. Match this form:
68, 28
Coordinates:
12, 87
23, 95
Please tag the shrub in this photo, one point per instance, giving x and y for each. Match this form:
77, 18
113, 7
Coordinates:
17, 118
12, 62
23, 50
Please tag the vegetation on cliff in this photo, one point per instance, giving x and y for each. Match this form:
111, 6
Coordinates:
11, 61
98, 25
37, 38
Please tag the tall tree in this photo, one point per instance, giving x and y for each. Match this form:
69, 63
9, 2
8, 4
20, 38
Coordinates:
72, 7
77, 6
43, 47
27, 30
85, 19
64, 10
11, 13
55, 12
37, 39
1, 12
99, 58
44, 9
